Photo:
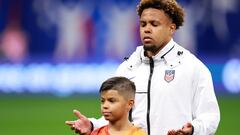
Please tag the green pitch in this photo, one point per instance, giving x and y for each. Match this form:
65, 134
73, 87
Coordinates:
46, 115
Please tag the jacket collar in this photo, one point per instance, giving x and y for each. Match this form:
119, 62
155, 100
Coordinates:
165, 54
171, 59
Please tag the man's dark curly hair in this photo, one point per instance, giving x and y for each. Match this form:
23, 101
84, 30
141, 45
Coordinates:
170, 7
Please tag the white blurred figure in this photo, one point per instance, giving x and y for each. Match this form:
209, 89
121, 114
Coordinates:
211, 13
121, 33
71, 19
186, 36
219, 18
195, 14
72, 40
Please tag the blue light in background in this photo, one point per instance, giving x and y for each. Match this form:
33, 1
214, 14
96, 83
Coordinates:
66, 79
231, 76
61, 79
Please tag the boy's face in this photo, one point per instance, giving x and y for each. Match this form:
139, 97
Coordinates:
114, 106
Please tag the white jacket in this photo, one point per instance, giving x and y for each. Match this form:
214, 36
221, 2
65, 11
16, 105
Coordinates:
180, 91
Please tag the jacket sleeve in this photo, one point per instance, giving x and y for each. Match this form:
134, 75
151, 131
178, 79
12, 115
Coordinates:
97, 123
122, 69
130, 64
206, 114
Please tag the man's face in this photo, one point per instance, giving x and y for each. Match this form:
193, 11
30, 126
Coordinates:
156, 29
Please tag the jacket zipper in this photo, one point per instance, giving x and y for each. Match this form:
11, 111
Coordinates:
149, 94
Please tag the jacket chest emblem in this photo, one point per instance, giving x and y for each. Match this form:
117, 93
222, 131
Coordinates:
169, 75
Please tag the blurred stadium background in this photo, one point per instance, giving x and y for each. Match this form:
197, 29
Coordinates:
54, 54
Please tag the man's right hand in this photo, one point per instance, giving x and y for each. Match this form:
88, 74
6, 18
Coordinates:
82, 125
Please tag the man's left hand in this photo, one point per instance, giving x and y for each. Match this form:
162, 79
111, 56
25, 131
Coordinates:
187, 129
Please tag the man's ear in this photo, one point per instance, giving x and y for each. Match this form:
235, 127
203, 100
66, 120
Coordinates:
173, 27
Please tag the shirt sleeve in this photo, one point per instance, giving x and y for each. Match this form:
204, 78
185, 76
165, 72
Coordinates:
206, 114
100, 131
140, 132
136, 131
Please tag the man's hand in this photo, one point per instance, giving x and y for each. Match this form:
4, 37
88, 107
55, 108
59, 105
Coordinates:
172, 132
187, 129
82, 125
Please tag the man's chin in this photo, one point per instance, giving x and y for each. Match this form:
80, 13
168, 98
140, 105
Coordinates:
149, 47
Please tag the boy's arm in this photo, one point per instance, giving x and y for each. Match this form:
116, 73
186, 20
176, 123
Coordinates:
82, 125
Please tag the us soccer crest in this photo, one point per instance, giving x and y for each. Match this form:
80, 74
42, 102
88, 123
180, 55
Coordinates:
169, 75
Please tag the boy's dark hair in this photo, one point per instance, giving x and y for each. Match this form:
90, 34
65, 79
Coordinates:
170, 7
121, 84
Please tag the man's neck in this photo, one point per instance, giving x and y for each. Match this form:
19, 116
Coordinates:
150, 54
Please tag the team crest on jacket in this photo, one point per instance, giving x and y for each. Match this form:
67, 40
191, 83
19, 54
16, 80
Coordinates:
169, 75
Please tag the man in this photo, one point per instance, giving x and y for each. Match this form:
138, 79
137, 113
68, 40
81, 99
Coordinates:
174, 90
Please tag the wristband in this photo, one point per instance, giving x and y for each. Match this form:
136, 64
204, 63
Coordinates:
92, 127
192, 130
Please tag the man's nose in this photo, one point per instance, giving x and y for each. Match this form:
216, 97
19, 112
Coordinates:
148, 29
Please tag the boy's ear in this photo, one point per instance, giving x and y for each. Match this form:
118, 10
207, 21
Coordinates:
131, 103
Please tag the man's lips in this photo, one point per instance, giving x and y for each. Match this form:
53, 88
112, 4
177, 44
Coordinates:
147, 39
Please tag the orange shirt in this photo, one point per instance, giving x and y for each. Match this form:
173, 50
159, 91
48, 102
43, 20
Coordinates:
132, 131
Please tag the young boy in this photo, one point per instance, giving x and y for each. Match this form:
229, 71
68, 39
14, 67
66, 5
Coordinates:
117, 99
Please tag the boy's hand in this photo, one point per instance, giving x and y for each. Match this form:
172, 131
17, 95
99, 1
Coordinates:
82, 125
